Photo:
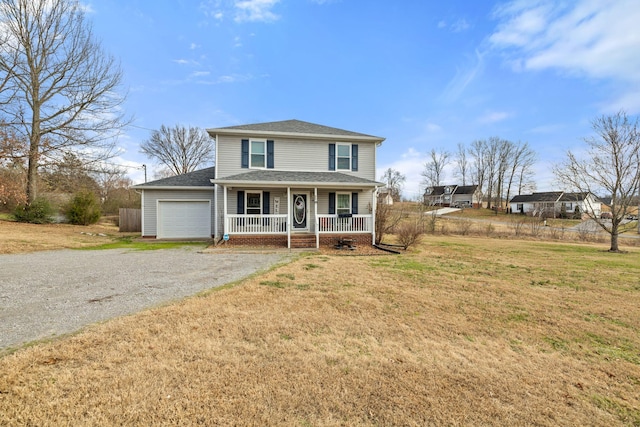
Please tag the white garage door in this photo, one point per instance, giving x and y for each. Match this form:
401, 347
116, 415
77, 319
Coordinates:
184, 219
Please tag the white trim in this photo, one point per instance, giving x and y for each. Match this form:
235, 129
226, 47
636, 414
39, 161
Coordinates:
288, 216
173, 187
305, 184
315, 216
142, 213
224, 214
215, 211
328, 137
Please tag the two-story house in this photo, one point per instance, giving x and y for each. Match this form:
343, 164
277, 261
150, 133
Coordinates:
452, 195
289, 183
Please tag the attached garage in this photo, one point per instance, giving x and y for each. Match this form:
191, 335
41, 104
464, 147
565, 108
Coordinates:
184, 219
179, 207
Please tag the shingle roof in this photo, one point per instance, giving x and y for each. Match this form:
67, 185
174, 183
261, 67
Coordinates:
466, 189
572, 197
550, 196
292, 126
435, 191
199, 178
285, 177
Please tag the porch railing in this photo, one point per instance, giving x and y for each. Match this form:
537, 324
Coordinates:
256, 224
345, 224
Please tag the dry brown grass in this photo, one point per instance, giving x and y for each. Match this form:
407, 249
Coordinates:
461, 331
16, 237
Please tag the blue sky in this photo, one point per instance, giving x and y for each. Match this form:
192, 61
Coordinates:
423, 74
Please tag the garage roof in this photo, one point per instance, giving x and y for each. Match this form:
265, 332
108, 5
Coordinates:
199, 178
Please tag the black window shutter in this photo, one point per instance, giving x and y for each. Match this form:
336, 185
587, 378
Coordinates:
354, 203
240, 202
354, 157
245, 153
332, 157
265, 203
269, 154
332, 203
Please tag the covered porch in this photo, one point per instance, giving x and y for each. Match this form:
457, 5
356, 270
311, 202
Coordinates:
282, 212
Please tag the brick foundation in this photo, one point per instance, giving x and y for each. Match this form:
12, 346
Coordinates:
280, 241
332, 239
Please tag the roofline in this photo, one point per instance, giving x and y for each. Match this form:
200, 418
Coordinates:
172, 187
282, 184
221, 131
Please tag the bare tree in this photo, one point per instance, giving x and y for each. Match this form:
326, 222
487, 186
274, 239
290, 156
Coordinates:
479, 165
433, 173
62, 86
179, 148
522, 160
462, 165
394, 180
504, 153
610, 166
525, 173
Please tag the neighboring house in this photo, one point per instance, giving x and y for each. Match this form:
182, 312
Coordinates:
556, 203
452, 195
289, 183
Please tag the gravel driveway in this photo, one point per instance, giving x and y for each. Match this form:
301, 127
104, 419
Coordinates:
45, 294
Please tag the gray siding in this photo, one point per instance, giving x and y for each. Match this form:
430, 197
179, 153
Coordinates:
150, 207
294, 155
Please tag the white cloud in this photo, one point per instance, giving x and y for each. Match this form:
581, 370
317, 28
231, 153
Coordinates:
255, 11
462, 79
588, 38
193, 46
460, 25
87, 8
200, 73
494, 117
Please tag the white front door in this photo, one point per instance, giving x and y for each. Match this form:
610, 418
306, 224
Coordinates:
300, 212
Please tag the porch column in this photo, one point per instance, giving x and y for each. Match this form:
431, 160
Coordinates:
315, 214
224, 213
215, 211
374, 202
289, 217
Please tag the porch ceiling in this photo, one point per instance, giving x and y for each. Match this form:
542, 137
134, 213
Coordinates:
296, 179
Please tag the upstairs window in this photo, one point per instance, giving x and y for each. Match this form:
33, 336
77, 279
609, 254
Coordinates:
343, 156
258, 154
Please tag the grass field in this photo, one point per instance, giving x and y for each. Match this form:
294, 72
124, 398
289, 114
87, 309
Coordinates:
459, 331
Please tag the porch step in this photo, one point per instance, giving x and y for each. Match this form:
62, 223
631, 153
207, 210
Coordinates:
303, 241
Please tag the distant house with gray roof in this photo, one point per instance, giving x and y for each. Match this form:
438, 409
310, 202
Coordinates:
452, 195
288, 183
556, 203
